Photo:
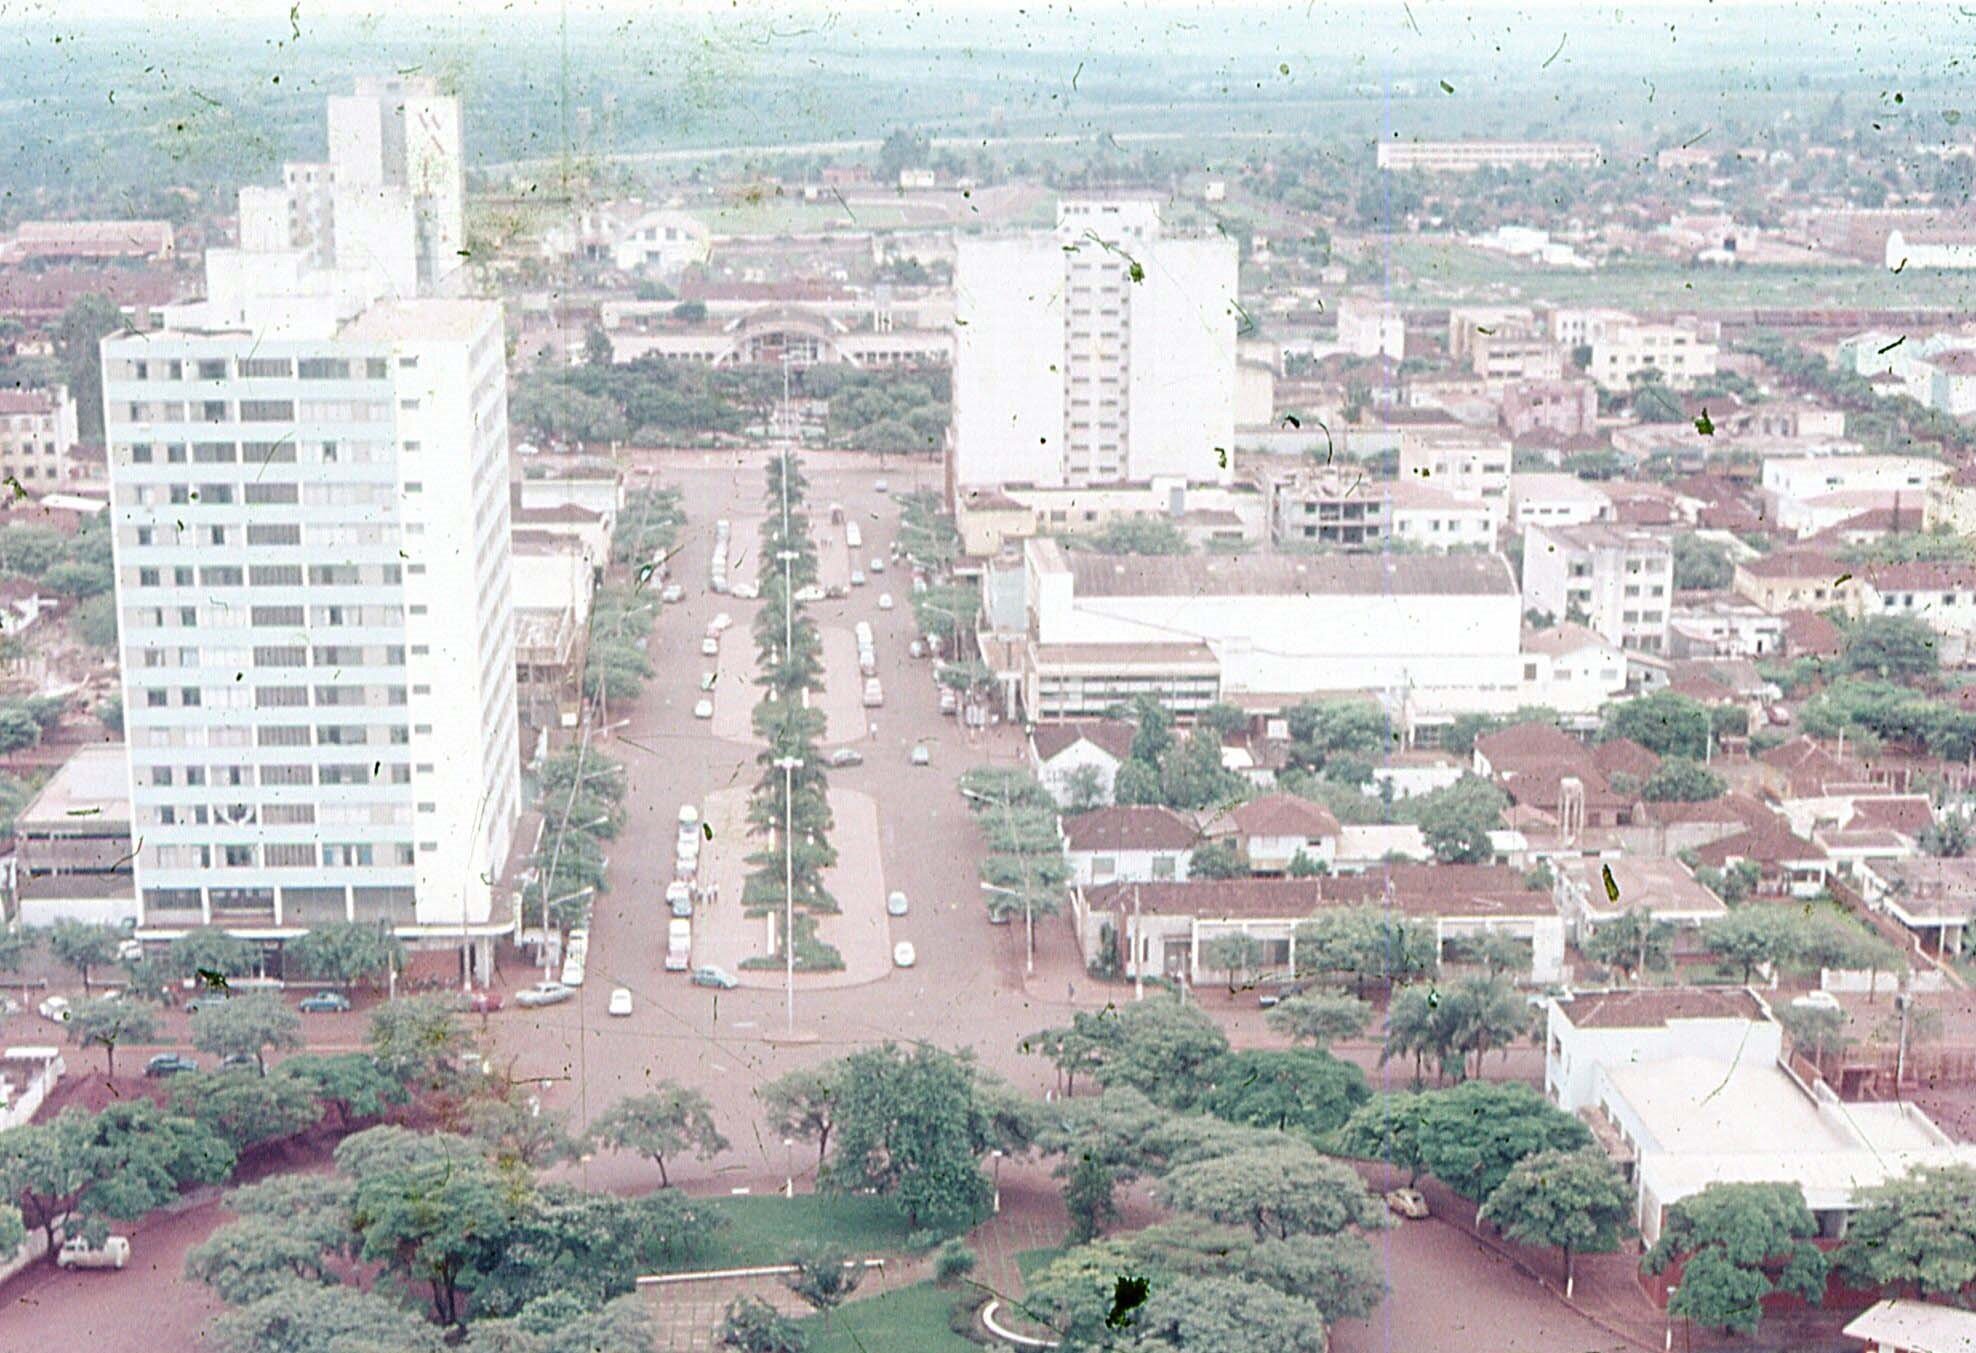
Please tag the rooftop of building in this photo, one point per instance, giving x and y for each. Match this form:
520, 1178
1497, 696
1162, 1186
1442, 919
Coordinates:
1112, 735
1658, 884
1193, 656
1555, 487
1795, 564
1921, 576
1562, 639
1655, 1007
1291, 575
1919, 1326
426, 318
1598, 535
1284, 815
26, 401
92, 786
1130, 827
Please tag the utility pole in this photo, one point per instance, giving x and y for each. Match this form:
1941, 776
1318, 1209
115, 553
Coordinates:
790, 765
1138, 967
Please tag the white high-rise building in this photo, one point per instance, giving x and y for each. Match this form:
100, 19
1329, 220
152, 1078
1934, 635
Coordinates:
1101, 352
310, 504
390, 198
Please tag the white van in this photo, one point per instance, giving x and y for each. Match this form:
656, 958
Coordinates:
679, 945
77, 1252
874, 694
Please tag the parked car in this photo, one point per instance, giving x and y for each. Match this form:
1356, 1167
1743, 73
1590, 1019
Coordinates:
704, 709
239, 1061
1279, 992
857, 577
877, 564
949, 702
745, 591
672, 593
922, 756
720, 623
903, 955
884, 601
846, 756
206, 1000
710, 647
895, 905
620, 1004
882, 486
713, 976
1817, 1000
544, 993
77, 1252
1408, 1203
169, 1064
917, 648
55, 1008
324, 1003
707, 680
483, 1002
809, 592
679, 897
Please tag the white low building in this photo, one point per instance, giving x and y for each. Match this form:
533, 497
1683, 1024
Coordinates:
1065, 754
1129, 843
1688, 1088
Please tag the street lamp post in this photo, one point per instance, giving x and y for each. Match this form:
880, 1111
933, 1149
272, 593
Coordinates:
790, 765
1028, 922
789, 1168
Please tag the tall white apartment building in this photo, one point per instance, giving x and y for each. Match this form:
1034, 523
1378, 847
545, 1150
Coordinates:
1617, 582
391, 197
311, 527
1098, 353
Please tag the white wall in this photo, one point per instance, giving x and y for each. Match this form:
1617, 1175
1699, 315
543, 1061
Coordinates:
1008, 356
1181, 378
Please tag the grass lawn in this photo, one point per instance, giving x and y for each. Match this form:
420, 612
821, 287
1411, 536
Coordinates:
767, 1228
911, 1318
1029, 1263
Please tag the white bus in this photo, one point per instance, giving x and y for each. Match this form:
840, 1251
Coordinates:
853, 537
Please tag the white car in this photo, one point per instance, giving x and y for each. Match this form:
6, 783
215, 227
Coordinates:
55, 1008
620, 1002
77, 1252
895, 905
707, 680
857, 577
720, 623
710, 647
877, 564
544, 993
882, 486
745, 591
903, 955
922, 756
884, 601
809, 592
672, 593
704, 710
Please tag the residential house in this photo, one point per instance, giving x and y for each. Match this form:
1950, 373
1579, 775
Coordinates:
1129, 843
1274, 829
1904, 1326
1934, 898
1941, 596
1538, 499
1059, 751
1795, 580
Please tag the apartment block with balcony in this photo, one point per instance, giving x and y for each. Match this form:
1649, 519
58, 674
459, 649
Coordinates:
37, 432
1619, 583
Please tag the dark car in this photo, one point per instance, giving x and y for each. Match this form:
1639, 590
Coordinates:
169, 1064
1279, 992
324, 1003
239, 1061
484, 1002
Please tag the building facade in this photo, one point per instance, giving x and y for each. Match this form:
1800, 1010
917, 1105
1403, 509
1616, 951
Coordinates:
37, 432
1617, 582
1100, 352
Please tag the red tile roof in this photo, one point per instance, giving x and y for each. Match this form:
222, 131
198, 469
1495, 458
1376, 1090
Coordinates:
1625, 755
1794, 564
1527, 744
1419, 890
1130, 827
1909, 814
1112, 735
1920, 576
1653, 1008
1284, 815
26, 401
1809, 633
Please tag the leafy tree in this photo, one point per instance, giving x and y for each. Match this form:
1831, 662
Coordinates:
1217, 860
1815, 1031
432, 1222
82, 946
1136, 782
518, 1133
1574, 1201
1731, 1238
417, 1040
308, 1318
1084, 790
351, 1083
1680, 780
952, 1262
1473, 1016
561, 1241
667, 1120
345, 953
1089, 1196
1302, 1089
247, 1026
1456, 821
1236, 954
1472, 1135
83, 326
559, 1322
1076, 1049
1752, 936
1339, 1274
1320, 1017
1632, 943
1665, 723
1280, 1190
802, 1105
256, 1257
109, 1021
1916, 1231
1701, 565
1138, 533
1228, 1313
211, 950
1160, 1046
1153, 731
1368, 944
908, 1125
1947, 837
1326, 731
244, 1111
751, 1325
1892, 648
1302, 866
824, 1277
